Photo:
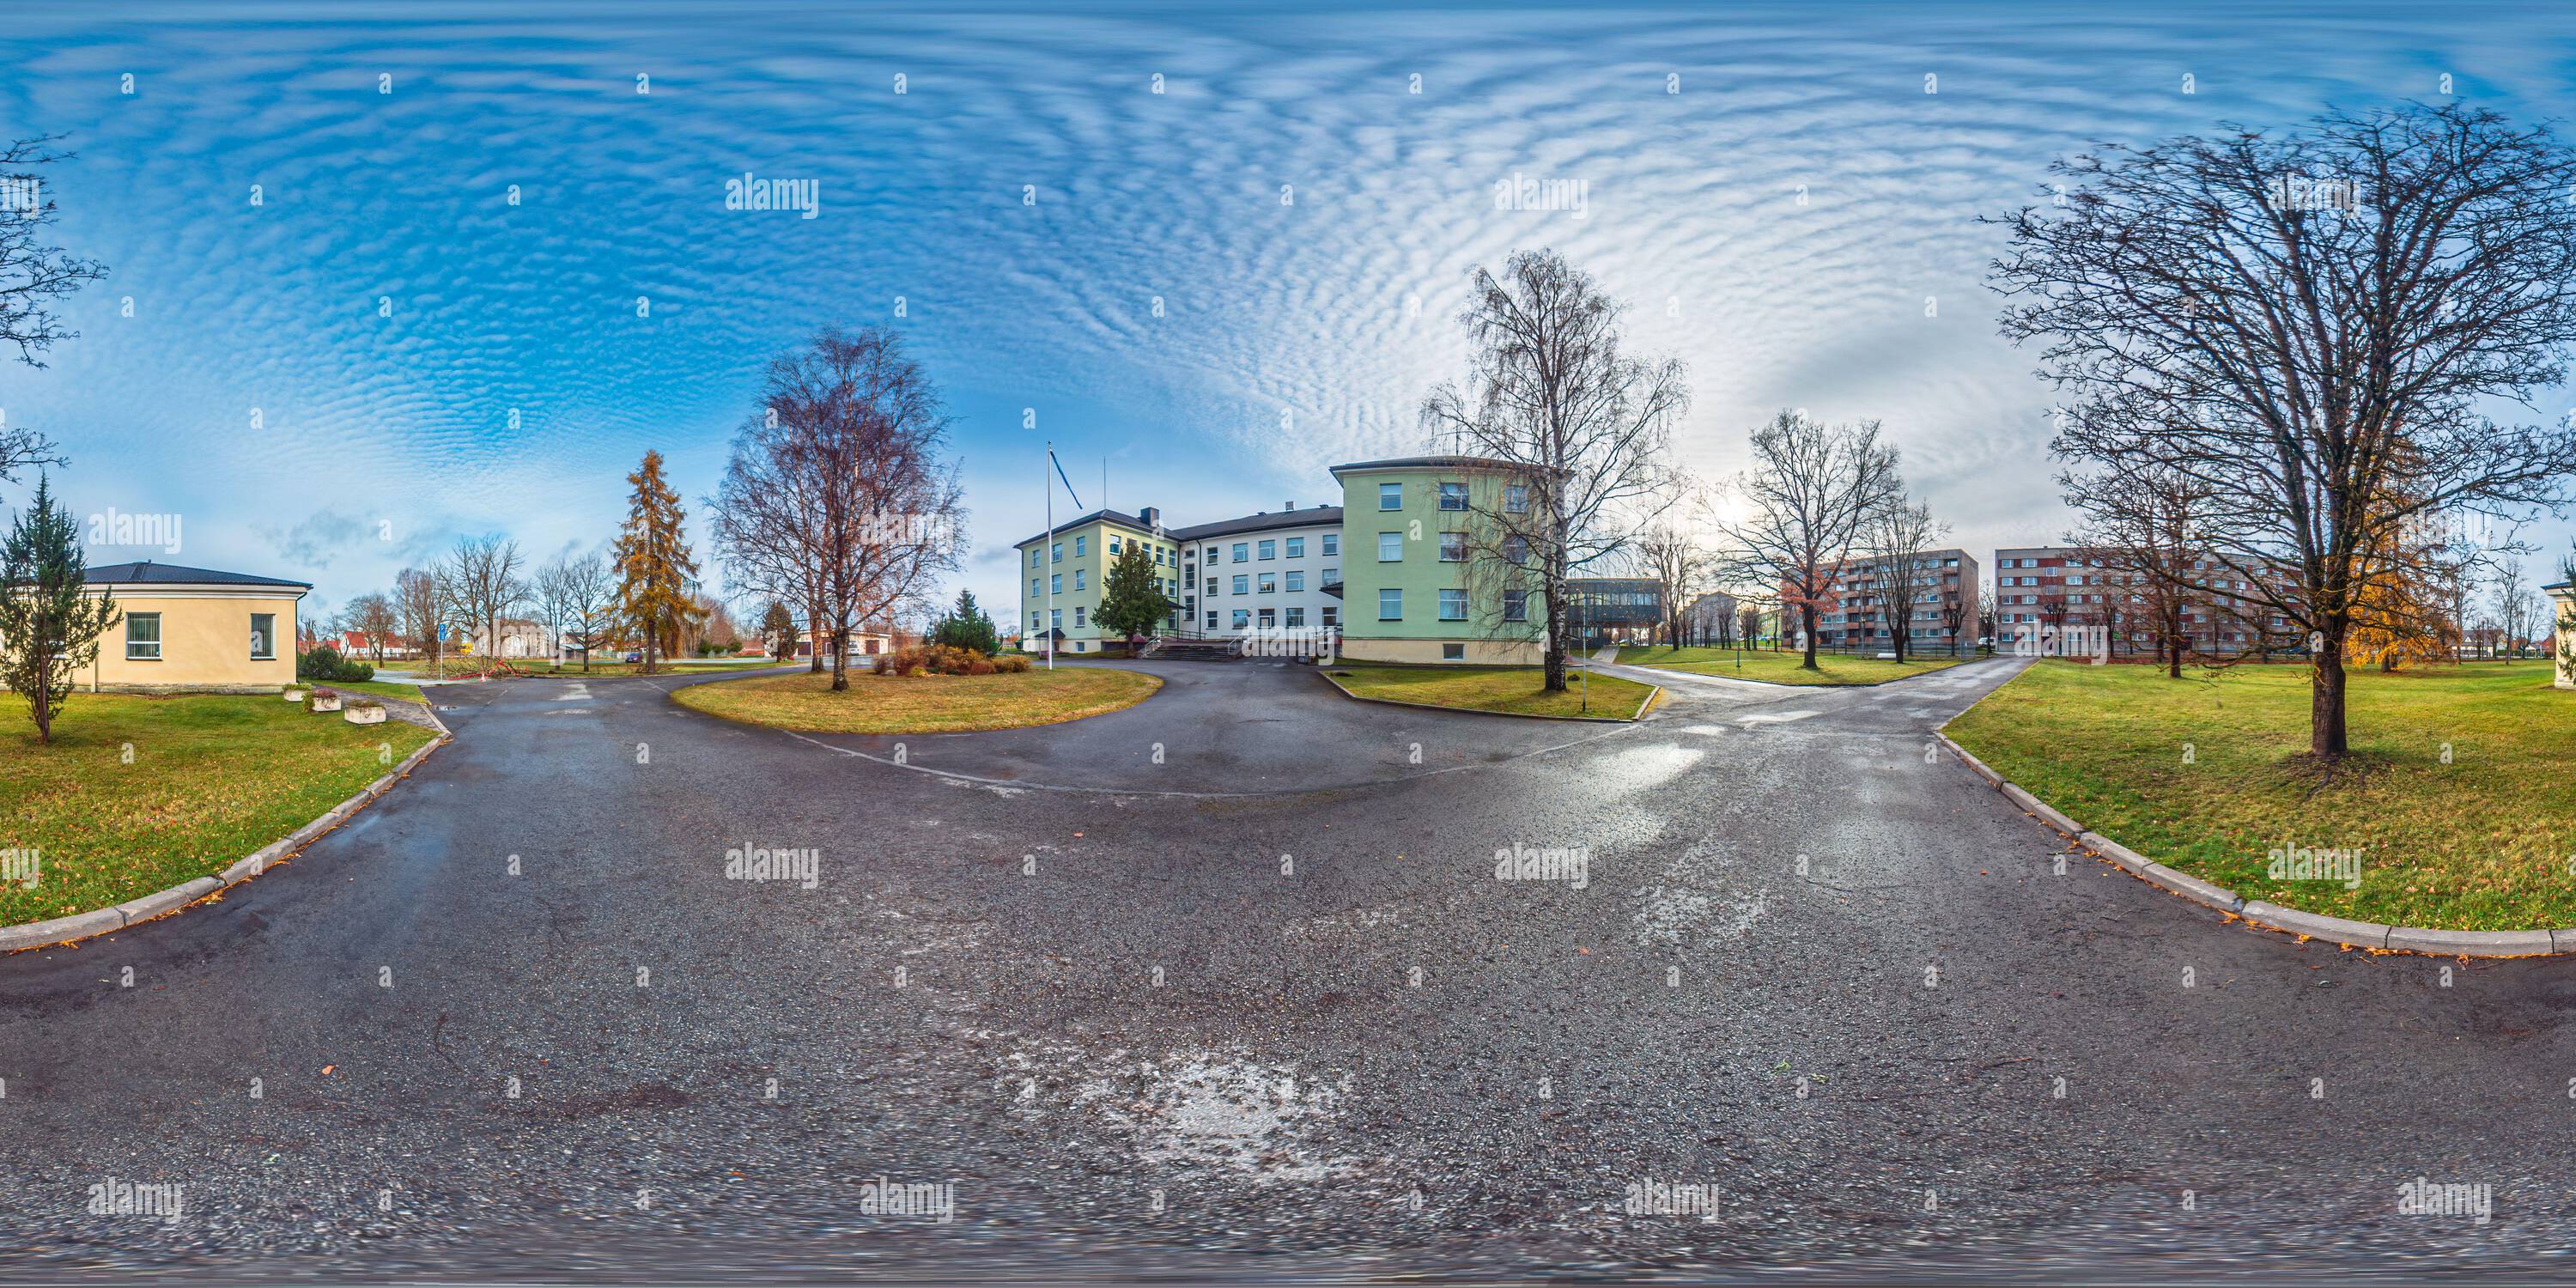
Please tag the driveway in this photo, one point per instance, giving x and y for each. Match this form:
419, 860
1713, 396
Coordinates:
1285, 1022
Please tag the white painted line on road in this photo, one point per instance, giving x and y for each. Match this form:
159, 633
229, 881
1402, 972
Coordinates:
1781, 717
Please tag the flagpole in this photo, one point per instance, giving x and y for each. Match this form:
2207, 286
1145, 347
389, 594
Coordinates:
1046, 479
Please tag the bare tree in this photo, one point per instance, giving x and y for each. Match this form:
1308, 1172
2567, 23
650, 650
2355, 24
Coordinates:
34, 279
2511, 589
552, 590
420, 605
1812, 493
1957, 612
2144, 533
1579, 430
1671, 555
588, 586
766, 527
2306, 323
484, 582
864, 444
1901, 538
374, 618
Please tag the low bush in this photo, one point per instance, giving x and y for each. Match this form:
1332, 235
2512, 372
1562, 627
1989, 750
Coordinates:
981, 667
324, 664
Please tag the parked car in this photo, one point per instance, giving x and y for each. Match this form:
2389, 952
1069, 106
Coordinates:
634, 655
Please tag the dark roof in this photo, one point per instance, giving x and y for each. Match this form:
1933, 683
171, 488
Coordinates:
1312, 516
1114, 516
2564, 585
1428, 462
148, 573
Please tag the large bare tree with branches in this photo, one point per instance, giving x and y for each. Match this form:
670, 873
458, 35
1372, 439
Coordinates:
34, 278
2305, 323
766, 529
1581, 432
1900, 539
864, 441
1810, 498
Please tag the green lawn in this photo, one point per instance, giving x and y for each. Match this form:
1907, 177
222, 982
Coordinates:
1783, 668
380, 688
921, 704
2458, 794
212, 778
1511, 690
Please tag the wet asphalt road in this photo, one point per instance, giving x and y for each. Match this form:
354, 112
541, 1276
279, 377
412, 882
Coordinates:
1257, 1007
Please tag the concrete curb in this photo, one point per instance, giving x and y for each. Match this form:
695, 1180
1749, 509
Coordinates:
1643, 707
2269, 916
83, 925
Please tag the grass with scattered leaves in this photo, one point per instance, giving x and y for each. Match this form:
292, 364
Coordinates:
922, 704
1510, 690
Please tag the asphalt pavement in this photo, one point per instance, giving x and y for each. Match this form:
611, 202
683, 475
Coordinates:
1228, 984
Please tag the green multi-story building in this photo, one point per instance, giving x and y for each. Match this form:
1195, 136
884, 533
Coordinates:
1063, 574
1424, 578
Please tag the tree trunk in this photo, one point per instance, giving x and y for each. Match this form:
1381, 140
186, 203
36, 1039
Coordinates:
1807, 617
2326, 733
840, 662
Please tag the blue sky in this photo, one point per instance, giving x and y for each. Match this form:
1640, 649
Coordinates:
425, 359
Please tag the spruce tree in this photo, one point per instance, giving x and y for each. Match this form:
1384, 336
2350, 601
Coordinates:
49, 628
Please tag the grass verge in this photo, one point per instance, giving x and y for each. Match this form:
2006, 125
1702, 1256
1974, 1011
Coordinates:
923, 704
2455, 799
1509, 690
1782, 668
212, 778
380, 688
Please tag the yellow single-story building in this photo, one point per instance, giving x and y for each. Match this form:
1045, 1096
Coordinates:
2562, 602
195, 630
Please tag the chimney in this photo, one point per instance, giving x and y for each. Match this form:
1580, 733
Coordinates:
1289, 506
1152, 517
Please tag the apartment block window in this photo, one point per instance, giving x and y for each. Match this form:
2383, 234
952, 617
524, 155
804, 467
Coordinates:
1390, 547
1296, 581
1081, 546
1453, 496
1332, 543
1332, 615
1332, 576
143, 637
1390, 604
1453, 605
1033, 585
1516, 498
263, 637
1113, 542
1055, 583
1242, 584
1035, 555
1211, 621
1516, 605
1296, 547
1211, 554
1516, 549
1077, 619
1390, 496
1453, 547
1211, 585
1079, 578
1242, 617
1453, 652
1269, 549
1057, 555
1270, 583
1296, 618
1240, 549
1269, 619
1055, 619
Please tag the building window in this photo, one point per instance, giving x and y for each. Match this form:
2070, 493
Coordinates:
1332, 576
1211, 585
1516, 549
1390, 547
1211, 621
1296, 618
143, 637
1453, 652
1332, 543
1332, 615
1453, 605
1242, 584
1270, 583
1516, 498
1296, 581
1516, 605
1035, 555
1080, 579
1113, 543
1453, 496
1269, 619
1057, 555
1390, 496
1453, 547
1055, 619
1242, 551
1077, 618
1242, 616
1390, 604
1055, 583
1296, 547
1081, 546
1033, 585
1269, 549
263, 637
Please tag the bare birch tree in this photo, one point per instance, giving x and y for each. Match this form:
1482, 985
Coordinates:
1812, 492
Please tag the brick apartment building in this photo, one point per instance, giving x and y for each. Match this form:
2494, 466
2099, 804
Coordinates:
2054, 586
1857, 613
